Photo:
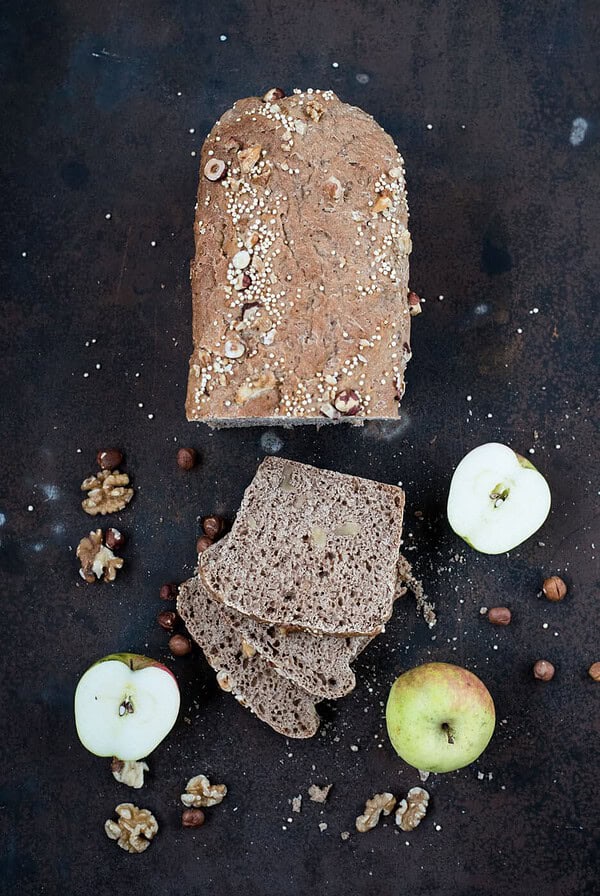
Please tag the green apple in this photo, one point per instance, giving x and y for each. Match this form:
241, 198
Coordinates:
497, 499
125, 705
439, 717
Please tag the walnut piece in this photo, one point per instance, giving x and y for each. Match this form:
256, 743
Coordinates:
97, 561
200, 792
319, 794
135, 828
411, 811
106, 492
380, 802
129, 771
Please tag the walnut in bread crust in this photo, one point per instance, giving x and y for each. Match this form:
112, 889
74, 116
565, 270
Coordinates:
200, 792
134, 829
97, 560
107, 492
380, 802
411, 811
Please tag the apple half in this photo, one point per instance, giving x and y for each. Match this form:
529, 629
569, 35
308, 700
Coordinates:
440, 717
497, 499
125, 705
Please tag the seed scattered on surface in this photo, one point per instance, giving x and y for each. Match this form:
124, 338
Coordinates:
213, 526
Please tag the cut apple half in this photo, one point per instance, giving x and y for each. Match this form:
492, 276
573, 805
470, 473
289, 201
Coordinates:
497, 499
125, 705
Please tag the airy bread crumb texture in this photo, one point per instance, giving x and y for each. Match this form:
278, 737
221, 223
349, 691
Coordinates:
321, 548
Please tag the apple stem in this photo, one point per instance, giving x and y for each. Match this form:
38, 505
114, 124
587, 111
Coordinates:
449, 733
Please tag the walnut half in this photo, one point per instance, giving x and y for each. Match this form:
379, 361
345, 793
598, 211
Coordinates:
134, 829
380, 802
107, 492
411, 811
97, 561
200, 792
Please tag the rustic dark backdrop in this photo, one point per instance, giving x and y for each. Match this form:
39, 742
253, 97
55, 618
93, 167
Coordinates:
494, 105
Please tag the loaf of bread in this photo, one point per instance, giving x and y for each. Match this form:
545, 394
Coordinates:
247, 675
310, 549
300, 277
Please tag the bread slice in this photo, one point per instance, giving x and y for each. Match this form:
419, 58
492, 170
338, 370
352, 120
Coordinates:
320, 665
253, 680
300, 277
319, 548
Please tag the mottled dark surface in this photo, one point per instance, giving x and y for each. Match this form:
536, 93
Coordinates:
98, 103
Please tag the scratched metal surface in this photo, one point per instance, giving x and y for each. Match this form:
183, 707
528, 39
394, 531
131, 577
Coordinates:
100, 100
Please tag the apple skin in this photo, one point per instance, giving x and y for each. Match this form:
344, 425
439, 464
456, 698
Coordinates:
496, 526
153, 695
429, 696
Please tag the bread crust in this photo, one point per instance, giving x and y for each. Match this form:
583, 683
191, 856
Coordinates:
300, 276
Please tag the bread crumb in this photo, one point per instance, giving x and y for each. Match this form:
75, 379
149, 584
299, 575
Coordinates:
322, 826
319, 794
345, 835
297, 803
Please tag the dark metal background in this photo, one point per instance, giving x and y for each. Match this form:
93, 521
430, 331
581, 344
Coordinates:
99, 100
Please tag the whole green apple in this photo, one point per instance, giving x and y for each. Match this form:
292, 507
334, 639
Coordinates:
439, 717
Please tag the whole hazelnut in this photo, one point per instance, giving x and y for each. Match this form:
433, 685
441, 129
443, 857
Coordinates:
186, 458
109, 459
167, 619
168, 591
179, 645
499, 616
414, 304
192, 818
203, 543
114, 539
543, 670
594, 671
213, 526
275, 93
554, 588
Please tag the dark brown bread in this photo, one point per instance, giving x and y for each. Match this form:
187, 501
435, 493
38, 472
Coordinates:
300, 278
253, 681
319, 548
320, 665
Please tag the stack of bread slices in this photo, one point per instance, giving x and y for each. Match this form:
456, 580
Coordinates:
303, 582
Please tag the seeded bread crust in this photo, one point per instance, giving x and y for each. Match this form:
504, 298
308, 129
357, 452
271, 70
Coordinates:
300, 277
252, 680
319, 549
